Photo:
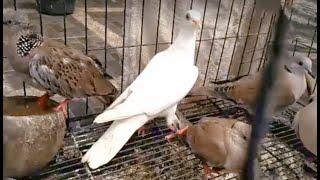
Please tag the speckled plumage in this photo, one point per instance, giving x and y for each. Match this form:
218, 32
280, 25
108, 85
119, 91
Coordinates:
68, 72
52, 66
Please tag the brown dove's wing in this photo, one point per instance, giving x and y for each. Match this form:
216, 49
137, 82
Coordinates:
282, 95
68, 72
236, 142
206, 139
244, 90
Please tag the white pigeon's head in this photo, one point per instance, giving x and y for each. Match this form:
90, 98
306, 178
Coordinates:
299, 63
193, 18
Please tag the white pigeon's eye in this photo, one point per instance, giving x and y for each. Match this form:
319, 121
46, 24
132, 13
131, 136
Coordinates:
300, 63
188, 16
9, 21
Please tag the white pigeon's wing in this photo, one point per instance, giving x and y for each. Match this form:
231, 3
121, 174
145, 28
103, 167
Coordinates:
163, 84
164, 87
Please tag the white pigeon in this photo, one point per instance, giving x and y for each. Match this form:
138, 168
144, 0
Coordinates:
166, 80
305, 125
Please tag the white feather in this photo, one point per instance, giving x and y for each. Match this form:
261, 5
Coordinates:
169, 76
112, 141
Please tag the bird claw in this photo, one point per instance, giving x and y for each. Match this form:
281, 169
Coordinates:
170, 137
207, 170
142, 131
63, 106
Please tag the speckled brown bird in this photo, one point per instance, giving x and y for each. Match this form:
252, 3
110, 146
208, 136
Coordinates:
54, 67
219, 142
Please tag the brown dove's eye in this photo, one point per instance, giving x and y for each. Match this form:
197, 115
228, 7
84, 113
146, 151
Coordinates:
300, 63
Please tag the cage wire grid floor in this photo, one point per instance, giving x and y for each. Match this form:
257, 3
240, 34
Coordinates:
282, 154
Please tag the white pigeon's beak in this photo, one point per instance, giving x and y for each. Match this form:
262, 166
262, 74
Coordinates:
196, 23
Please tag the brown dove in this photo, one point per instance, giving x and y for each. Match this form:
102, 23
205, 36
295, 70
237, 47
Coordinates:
219, 142
288, 88
305, 125
54, 67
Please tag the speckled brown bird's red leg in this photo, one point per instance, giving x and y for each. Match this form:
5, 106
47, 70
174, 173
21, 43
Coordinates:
43, 100
63, 106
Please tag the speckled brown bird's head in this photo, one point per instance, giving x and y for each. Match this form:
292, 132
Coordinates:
28, 38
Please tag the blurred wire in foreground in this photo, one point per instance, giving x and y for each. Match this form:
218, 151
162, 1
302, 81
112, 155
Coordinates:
260, 119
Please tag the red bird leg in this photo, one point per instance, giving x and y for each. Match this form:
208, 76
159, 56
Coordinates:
43, 100
170, 137
206, 169
182, 132
142, 131
63, 106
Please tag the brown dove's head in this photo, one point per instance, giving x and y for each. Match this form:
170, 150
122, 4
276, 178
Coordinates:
299, 64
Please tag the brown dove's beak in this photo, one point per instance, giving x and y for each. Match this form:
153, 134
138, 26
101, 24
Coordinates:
196, 23
310, 79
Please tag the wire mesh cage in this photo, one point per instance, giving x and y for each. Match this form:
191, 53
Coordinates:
234, 41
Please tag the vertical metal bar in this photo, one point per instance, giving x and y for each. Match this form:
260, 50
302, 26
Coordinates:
86, 39
40, 15
295, 46
201, 31
266, 43
247, 37
24, 88
158, 25
123, 43
269, 40
141, 36
315, 85
65, 42
15, 4
255, 43
86, 25
191, 4
237, 36
105, 33
224, 40
314, 35
64, 23
291, 13
214, 34
173, 19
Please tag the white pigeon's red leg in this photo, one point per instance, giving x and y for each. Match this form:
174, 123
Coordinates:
43, 100
63, 106
181, 133
142, 131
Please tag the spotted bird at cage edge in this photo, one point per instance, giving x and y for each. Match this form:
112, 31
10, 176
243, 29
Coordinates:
54, 67
168, 77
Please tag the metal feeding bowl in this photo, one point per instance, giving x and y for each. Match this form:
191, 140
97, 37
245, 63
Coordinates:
31, 136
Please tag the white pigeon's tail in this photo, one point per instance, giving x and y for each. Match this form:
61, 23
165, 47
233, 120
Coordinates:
111, 142
122, 111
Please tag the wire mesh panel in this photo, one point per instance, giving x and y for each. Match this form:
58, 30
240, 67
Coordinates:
152, 157
125, 34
